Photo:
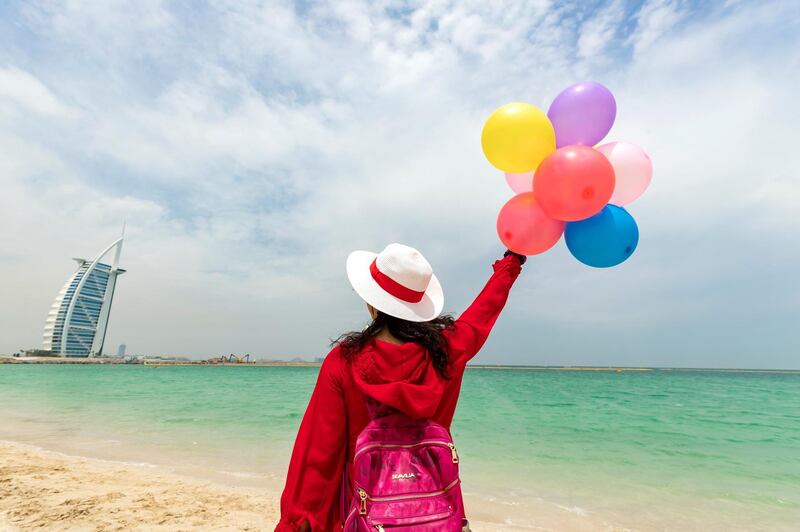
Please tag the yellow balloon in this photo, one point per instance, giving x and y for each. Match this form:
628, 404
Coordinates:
517, 137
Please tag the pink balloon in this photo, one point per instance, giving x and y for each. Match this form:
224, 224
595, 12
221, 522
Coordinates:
633, 170
520, 183
524, 228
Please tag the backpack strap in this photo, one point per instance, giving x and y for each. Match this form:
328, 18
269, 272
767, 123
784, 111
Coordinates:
376, 410
344, 493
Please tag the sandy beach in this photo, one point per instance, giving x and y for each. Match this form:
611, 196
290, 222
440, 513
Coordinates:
51, 491
46, 490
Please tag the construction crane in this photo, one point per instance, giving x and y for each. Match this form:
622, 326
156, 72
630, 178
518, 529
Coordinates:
230, 359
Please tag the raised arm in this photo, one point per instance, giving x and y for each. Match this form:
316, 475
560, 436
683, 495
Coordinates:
317, 463
466, 337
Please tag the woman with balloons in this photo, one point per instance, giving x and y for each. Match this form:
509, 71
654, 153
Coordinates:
564, 183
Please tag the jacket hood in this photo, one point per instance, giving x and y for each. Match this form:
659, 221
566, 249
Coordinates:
400, 376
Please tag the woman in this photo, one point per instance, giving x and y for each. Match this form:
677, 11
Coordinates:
409, 358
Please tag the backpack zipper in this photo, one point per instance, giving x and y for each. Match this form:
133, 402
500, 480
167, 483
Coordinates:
362, 506
453, 450
379, 527
449, 445
364, 497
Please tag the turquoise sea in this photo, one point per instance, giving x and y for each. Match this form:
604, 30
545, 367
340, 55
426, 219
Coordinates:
649, 450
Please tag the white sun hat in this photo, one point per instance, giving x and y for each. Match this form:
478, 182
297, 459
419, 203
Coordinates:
397, 281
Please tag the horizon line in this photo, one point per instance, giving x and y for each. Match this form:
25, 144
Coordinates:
317, 362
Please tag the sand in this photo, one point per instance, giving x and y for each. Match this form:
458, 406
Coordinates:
45, 490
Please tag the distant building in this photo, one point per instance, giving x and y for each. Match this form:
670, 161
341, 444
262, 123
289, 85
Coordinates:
78, 319
121, 350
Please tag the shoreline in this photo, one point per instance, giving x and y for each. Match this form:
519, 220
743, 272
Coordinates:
47, 489
117, 361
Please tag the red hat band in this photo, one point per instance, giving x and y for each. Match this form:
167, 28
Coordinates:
393, 287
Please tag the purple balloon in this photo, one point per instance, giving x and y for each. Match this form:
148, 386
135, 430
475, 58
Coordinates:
582, 114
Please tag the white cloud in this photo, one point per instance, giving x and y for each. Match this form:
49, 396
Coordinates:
24, 91
596, 33
654, 19
136, 28
250, 146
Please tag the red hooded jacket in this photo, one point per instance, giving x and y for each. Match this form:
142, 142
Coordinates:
400, 376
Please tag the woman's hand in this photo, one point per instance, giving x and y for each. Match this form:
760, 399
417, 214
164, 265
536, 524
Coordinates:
522, 258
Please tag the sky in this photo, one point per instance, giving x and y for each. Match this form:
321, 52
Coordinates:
250, 146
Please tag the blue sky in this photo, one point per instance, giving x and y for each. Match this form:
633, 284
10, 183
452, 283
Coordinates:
251, 145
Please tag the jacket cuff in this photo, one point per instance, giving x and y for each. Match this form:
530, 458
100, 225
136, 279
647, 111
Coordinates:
509, 263
286, 525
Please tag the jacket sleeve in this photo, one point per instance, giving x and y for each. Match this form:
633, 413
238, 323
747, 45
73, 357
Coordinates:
316, 467
468, 334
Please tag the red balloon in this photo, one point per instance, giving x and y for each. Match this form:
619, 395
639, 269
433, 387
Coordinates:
524, 228
574, 183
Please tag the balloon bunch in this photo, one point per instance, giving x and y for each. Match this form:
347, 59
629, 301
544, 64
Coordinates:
564, 183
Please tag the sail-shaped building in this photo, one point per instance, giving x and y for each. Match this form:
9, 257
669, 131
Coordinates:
78, 319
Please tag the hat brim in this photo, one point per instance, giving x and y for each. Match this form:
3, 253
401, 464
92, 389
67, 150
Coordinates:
428, 308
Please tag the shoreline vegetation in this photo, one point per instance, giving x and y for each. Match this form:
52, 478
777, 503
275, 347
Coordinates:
167, 361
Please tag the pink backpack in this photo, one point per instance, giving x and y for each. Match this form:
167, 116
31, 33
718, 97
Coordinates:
405, 477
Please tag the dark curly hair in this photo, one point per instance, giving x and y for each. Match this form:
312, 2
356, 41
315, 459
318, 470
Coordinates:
428, 334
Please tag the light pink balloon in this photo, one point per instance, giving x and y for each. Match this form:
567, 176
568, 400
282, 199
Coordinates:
633, 170
520, 183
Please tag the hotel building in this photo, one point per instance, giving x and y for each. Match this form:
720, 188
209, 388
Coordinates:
78, 319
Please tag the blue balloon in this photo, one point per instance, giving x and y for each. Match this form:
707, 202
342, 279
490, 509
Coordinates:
606, 239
